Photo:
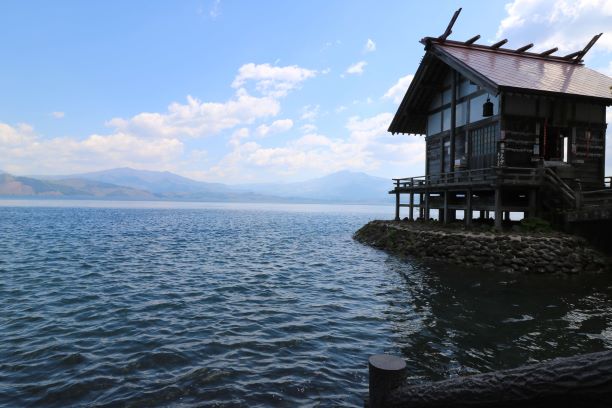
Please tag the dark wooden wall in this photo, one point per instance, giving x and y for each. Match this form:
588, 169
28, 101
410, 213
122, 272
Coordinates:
534, 128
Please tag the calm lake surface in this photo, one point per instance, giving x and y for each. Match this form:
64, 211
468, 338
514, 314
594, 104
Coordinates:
183, 304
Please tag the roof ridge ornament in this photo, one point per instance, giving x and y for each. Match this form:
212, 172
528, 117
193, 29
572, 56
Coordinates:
523, 48
498, 44
449, 29
578, 55
472, 40
549, 52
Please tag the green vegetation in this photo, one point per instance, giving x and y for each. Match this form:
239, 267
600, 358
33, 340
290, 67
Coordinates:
535, 224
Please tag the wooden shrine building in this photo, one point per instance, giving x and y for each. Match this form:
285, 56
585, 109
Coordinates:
506, 130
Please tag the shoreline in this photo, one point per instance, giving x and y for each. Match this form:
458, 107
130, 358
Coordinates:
511, 252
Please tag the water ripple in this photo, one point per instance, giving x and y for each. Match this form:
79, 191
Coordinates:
218, 307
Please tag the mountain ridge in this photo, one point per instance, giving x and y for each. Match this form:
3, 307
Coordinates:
340, 187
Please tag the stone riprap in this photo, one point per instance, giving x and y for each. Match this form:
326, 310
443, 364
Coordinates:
508, 252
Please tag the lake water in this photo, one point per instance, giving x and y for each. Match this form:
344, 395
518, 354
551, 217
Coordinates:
184, 304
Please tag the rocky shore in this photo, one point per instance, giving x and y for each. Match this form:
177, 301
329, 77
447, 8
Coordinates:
550, 252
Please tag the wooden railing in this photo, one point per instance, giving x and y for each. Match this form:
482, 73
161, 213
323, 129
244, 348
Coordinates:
509, 175
514, 175
597, 197
570, 197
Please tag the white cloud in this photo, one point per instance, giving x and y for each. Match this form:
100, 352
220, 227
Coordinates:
356, 68
370, 46
215, 10
278, 126
22, 151
398, 90
308, 128
313, 139
238, 135
310, 112
341, 108
365, 130
197, 118
21, 134
368, 147
58, 115
272, 80
154, 140
566, 24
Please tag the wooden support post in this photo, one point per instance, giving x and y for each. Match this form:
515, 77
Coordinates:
482, 215
468, 208
411, 212
427, 214
397, 206
498, 209
421, 208
453, 120
532, 212
444, 212
442, 154
507, 215
386, 374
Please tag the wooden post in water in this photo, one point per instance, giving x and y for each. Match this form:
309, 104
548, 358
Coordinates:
467, 215
397, 201
444, 212
498, 209
411, 212
532, 203
386, 373
421, 207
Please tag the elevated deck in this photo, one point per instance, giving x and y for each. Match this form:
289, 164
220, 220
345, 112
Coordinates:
534, 191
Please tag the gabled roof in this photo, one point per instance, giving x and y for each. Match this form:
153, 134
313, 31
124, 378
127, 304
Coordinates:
496, 69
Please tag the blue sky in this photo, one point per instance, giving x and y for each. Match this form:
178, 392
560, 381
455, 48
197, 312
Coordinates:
241, 91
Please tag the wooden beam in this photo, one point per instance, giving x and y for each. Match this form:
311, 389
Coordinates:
472, 40
499, 44
583, 380
524, 48
449, 29
548, 52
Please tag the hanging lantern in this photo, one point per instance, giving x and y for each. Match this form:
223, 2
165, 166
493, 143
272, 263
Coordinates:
487, 108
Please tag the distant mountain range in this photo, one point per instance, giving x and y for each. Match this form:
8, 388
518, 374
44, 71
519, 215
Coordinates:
131, 184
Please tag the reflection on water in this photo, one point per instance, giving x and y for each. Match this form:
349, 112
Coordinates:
468, 321
244, 306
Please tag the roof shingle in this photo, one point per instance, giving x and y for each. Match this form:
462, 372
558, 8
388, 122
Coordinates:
509, 70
